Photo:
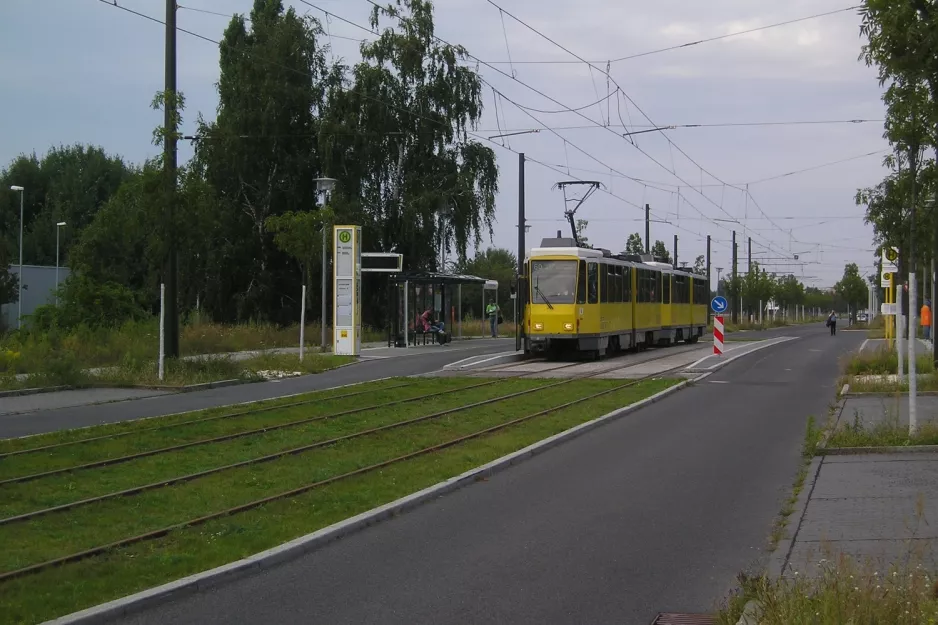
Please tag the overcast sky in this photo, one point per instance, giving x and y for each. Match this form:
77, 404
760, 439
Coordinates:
83, 71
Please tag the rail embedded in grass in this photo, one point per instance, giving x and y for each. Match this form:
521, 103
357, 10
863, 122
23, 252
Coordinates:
342, 483
254, 410
234, 435
269, 457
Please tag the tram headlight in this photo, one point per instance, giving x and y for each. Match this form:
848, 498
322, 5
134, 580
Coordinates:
568, 327
538, 326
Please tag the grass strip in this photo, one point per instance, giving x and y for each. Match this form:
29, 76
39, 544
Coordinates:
886, 433
115, 451
138, 425
65, 488
244, 411
74, 586
812, 438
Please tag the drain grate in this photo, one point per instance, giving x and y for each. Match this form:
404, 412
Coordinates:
668, 618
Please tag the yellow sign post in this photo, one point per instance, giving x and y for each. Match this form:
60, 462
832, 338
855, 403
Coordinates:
347, 290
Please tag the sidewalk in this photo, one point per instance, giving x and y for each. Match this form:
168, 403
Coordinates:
878, 508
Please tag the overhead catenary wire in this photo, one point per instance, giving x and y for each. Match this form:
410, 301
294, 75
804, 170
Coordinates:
689, 43
389, 105
471, 134
624, 94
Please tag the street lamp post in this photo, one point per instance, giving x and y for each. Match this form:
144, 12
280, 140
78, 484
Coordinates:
324, 187
19, 296
719, 273
57, 227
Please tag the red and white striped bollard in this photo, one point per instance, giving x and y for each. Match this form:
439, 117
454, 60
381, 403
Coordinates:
718, 335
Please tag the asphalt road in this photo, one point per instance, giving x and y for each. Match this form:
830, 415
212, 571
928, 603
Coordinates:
79, 416
656, 512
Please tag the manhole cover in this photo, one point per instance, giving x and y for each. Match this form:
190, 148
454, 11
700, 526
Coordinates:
667, 618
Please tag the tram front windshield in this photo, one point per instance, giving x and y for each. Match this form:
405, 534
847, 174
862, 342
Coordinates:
553, 280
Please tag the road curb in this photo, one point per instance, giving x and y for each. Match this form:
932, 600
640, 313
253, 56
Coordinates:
35, 391
855, 451
295, 548
779, 560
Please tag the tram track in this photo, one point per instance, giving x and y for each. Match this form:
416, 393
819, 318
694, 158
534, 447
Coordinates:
240, 413
263, 430
154, 534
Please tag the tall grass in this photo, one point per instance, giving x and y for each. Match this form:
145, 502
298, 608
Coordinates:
137, 342
883, 362
844, 591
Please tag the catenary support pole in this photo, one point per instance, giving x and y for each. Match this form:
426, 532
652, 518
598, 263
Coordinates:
709, 286
520, 289
733, 301
913, 381
170, 105
647, 229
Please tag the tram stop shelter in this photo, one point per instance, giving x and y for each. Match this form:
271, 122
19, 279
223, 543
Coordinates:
411, 293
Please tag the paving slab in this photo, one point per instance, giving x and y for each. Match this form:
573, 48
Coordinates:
874, 410
877, 508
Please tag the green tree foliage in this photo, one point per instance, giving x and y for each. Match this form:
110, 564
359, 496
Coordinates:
581, 225
634, 244
67, 184
494, 263
261, 153
852, 288
789, 292
660, 251
397, 141
700, 264
393, 131
299, 234
757, 288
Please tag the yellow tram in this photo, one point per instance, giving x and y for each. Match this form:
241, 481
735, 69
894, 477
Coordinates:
587, 300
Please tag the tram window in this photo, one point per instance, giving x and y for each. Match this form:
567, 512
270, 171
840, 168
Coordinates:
604, 283
592, 283
553, 281
619, 284
666, 289
581, 283
626, 284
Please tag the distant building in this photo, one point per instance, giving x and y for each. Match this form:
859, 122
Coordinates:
38, 289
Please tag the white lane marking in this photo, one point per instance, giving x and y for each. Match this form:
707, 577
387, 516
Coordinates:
719, 381
760, 346
496, 357
865, 343
453, 364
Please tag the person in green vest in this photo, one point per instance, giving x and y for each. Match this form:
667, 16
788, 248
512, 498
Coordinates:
491, 311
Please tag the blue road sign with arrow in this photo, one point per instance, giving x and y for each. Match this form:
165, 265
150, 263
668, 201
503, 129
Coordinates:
718, 304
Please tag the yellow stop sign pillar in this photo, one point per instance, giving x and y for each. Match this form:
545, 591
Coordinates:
347, 290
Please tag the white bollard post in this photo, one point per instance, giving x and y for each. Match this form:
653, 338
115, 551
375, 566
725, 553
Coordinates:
162, 328
913, 382
302, 322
